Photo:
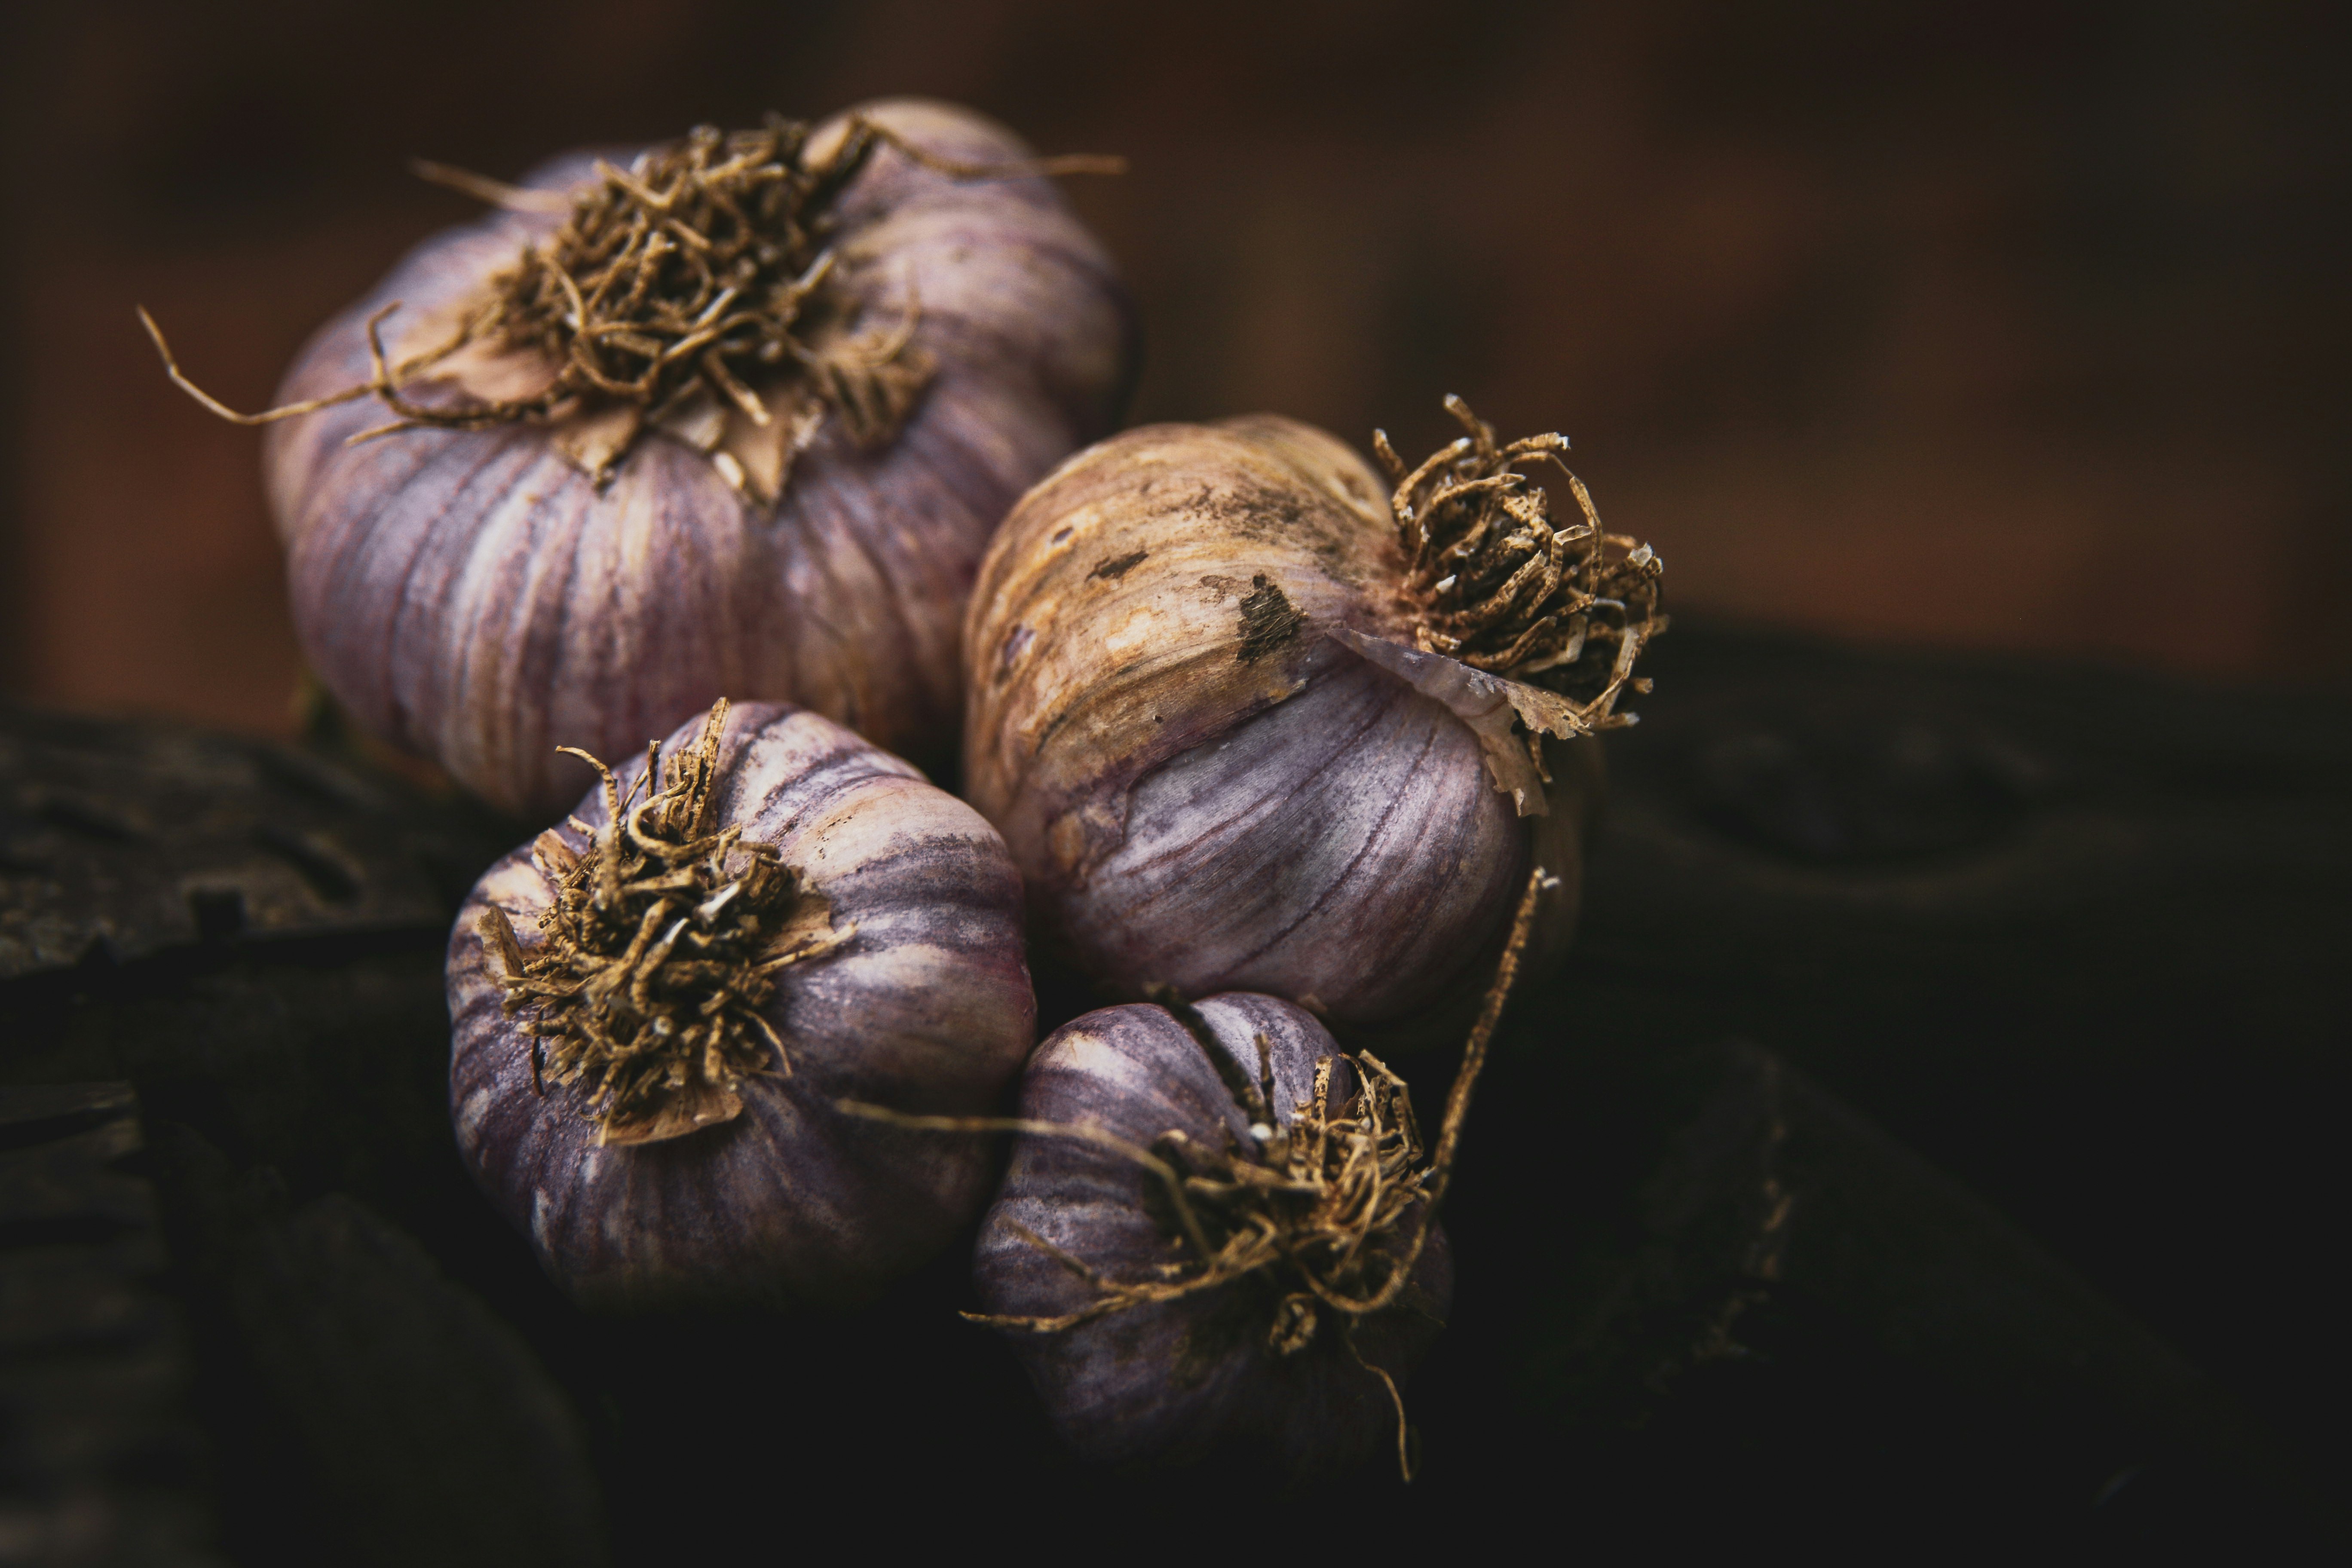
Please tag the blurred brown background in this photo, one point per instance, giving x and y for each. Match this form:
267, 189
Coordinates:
2018, 326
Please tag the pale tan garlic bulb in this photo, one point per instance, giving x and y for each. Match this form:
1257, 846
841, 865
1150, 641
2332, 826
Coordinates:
1250, 719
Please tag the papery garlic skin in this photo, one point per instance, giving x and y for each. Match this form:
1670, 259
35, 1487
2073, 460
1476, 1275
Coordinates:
927, 1007
1202, 788
1176, 1382
474, 597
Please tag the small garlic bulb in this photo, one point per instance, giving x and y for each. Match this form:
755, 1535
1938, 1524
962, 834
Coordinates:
1246, 722
749, 456
656, 1005
1165, 1321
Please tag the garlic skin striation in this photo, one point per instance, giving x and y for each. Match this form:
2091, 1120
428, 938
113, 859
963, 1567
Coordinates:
1206, 715
476, 596
1256, 1367
889, 967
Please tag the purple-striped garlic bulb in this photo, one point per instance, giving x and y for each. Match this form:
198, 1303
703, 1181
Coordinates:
1250, 720
656, 1005
1201, 1200
738, 417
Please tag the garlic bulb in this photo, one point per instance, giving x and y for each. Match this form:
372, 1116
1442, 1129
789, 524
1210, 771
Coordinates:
657, 1003
737, 419
1165, 1319
1246, 724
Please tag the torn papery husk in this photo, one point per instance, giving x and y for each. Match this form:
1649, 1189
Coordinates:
1488, 704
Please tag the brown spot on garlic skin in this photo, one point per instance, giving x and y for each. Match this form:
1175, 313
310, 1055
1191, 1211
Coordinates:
1118, 565
1268, 620
1014, 641
1234, 799
928, 1009
472, 596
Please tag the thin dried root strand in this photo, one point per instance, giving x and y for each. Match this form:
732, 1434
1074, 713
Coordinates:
490, 192
1496, 583
701, 270
1171, 1181
1474, 1052
215, 406
659, 952
1396, 1398
1061, 165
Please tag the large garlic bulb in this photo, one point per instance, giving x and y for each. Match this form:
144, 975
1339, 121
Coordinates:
1247, 721
1161, 1334
803, 523
655, 1010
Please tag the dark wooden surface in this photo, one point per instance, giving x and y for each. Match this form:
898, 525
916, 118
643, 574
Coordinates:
1930, 1135
101, 1456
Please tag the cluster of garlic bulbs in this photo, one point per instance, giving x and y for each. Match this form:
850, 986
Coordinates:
764, 442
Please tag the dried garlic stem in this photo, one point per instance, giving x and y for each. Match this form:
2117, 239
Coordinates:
1502, 588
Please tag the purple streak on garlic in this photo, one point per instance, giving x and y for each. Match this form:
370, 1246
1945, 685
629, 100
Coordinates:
1205, 782
475, 597
927, 1005
1359, 894
1180, 1381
